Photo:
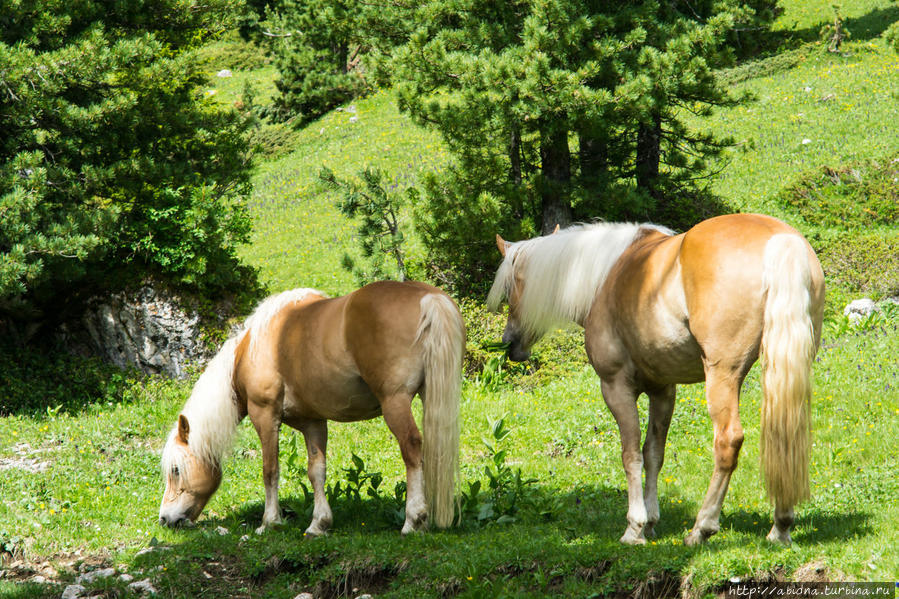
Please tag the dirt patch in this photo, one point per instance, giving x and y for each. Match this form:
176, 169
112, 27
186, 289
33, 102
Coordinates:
371, 578
24, 459
816, 571
51, 570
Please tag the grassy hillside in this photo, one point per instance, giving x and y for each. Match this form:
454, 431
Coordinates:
82, 487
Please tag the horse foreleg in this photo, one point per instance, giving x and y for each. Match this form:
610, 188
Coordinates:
722, 396
621, 399
661, 406
398, 415
316, 435
268, 426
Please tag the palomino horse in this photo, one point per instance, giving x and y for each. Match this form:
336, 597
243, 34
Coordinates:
660, 309
303, 359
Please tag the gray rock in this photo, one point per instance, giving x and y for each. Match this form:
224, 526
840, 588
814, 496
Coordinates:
142, 586
860, 308
73, 591
305, 596
146, 329
90, 577
224, 73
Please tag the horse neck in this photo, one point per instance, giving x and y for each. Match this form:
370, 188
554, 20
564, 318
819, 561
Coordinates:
212, 410
563, 272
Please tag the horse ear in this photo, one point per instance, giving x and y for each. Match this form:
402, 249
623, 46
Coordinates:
502, 245
183, 428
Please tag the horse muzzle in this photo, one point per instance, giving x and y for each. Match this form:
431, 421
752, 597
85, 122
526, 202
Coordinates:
515, 350
175, 520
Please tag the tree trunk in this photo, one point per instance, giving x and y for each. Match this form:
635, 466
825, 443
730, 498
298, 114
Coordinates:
515, 155
593, 154
649, 151
556, 164
341, 56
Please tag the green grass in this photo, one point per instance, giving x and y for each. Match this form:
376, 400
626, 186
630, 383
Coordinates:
95, 502
299, 236
101, 491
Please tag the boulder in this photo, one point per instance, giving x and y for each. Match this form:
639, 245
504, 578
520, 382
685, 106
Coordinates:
145, 329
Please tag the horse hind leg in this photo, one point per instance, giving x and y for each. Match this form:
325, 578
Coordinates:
398, 416
621, 400
661, 407
722, 396
315, 434
783, 521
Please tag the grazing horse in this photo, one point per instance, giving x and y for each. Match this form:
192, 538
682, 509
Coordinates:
303, 359
660, 309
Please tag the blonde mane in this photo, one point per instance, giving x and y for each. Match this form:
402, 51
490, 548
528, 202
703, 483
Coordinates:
562, 272
211, 410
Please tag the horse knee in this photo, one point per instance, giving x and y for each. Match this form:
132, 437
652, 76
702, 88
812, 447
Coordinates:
727, 450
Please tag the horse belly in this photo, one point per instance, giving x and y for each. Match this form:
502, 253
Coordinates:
342, 399
665, 352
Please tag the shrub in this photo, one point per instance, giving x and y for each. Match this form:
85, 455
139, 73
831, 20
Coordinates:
848, 196
891, 35
313, 49
113, 167
866, 262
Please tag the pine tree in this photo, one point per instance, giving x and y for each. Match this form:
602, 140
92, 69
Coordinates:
558, 110
315, 45
113, 166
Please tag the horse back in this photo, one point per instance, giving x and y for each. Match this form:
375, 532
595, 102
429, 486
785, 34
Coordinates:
334, 358
381, 328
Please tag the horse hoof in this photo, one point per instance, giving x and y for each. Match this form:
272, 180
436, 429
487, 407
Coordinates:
268, 526
631, 538
781, 538
316, 531
695, 538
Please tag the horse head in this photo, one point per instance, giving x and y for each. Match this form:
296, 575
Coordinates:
516, 337
190, 480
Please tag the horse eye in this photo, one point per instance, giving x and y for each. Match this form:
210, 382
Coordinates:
175, 471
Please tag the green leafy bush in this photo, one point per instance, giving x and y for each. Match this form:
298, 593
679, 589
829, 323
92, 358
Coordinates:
311, 43
847, 197
863, 262
113, 165
561, 352
233, 53
891, 35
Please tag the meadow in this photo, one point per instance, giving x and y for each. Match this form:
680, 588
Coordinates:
544, 500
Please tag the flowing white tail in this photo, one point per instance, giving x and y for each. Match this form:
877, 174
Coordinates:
789, 343
441, 334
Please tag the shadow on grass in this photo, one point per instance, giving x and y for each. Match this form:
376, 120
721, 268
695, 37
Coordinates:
810, 528
39, 380
862, 29
574, 551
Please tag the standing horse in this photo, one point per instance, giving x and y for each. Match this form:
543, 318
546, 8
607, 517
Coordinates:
660, 309
303, 359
